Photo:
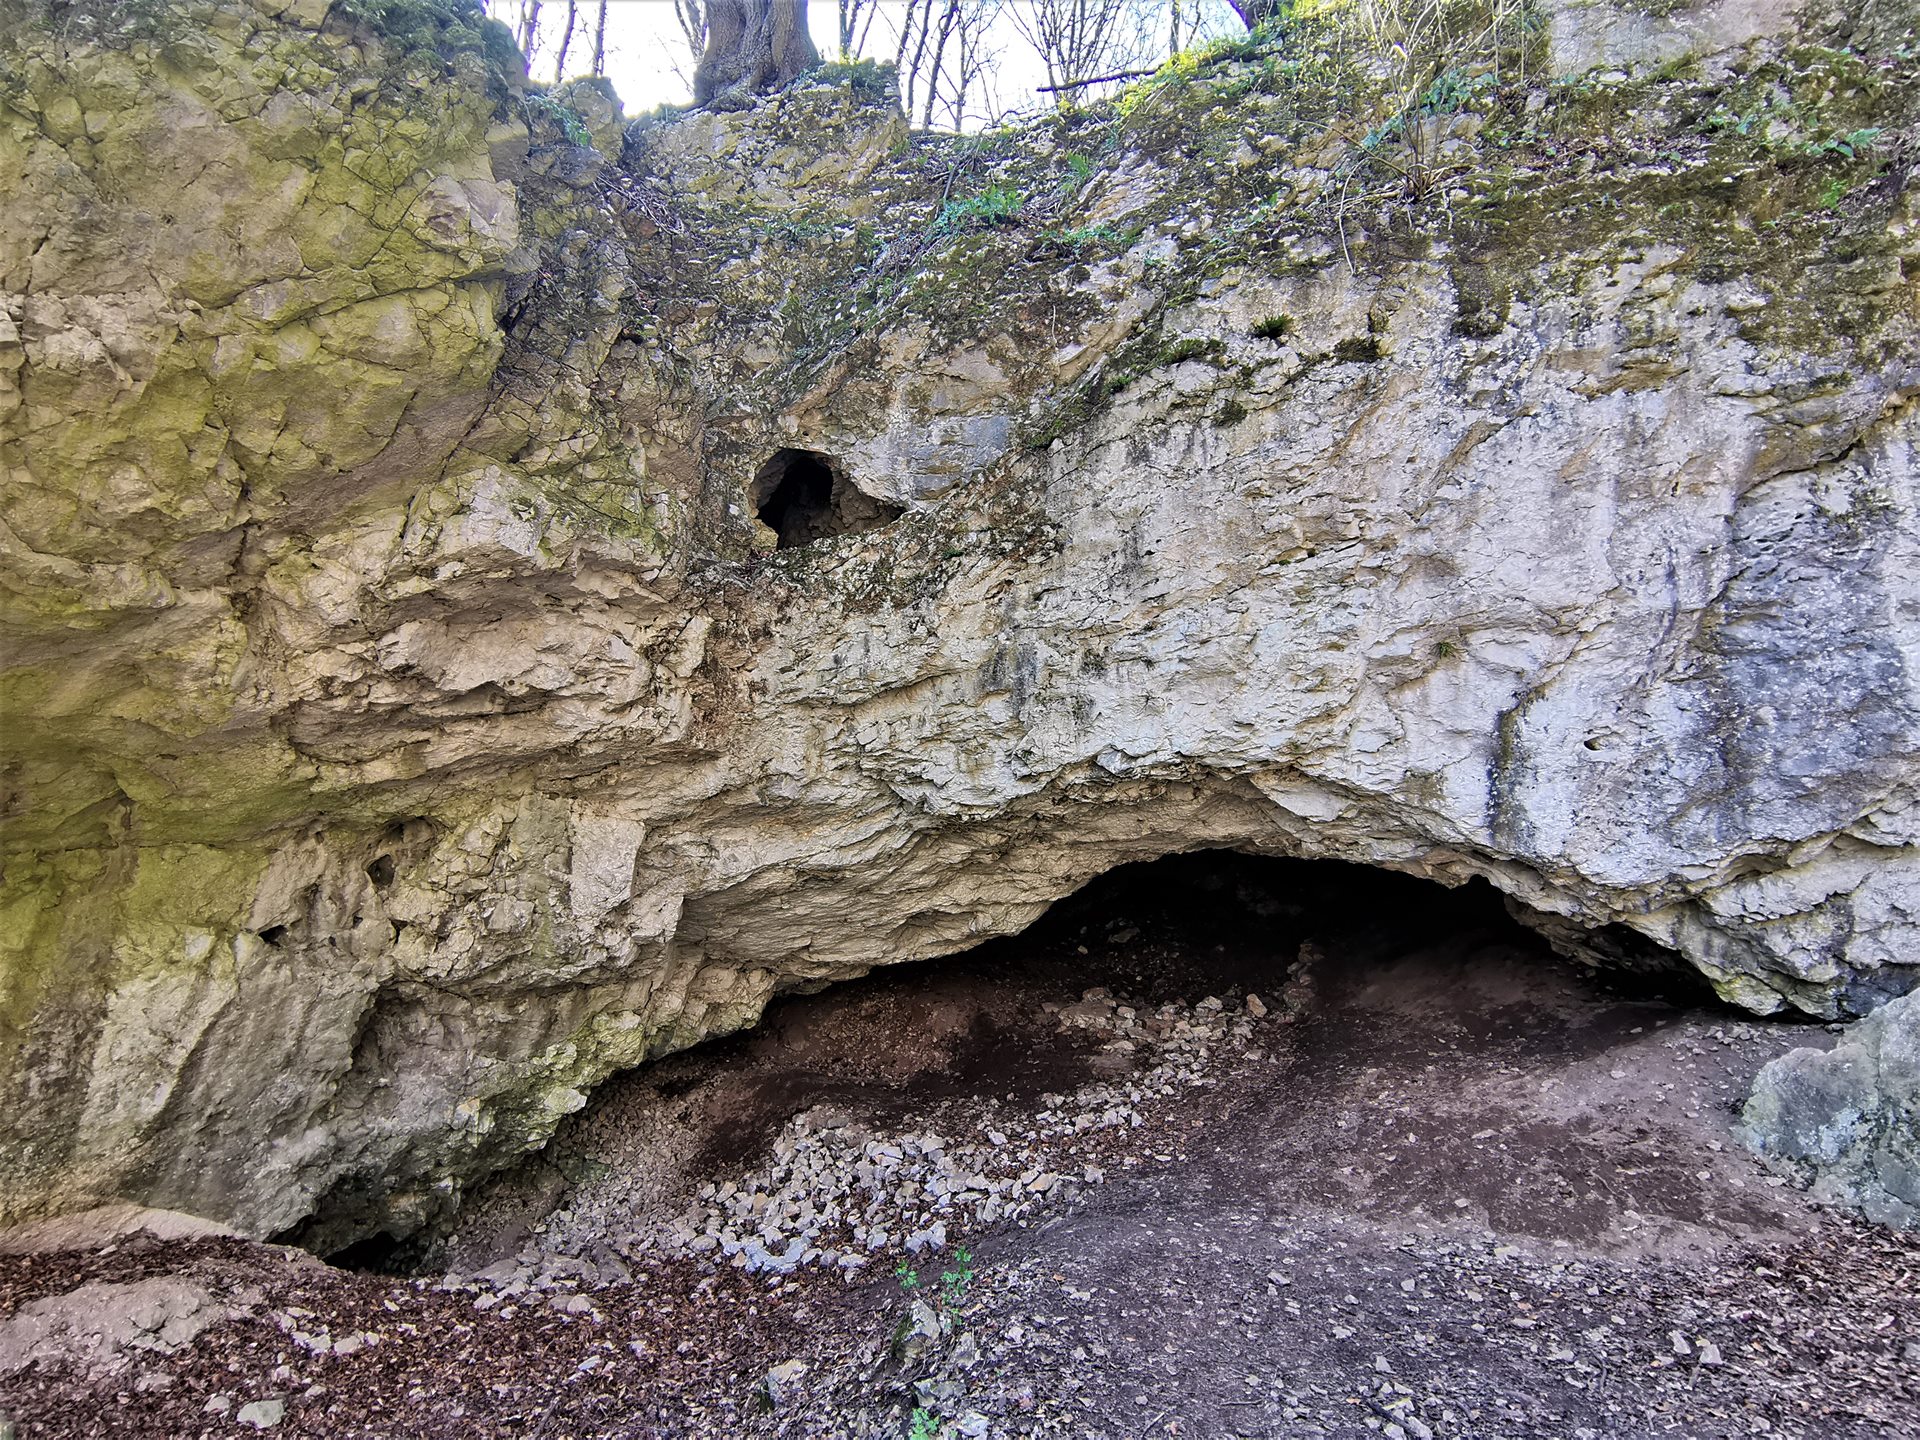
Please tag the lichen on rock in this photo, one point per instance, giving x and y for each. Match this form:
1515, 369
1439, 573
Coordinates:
1847, 1120
411, 722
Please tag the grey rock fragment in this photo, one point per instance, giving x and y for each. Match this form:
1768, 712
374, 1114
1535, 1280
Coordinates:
97, 1324
262, 1414
1846, 1121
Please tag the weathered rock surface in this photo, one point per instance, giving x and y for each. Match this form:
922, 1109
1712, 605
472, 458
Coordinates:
1586, 34
104, 1327
411, 722
1847, 1120
102, 1226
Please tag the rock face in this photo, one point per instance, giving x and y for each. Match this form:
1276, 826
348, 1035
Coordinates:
1586, 34
1847, 1120
411, 721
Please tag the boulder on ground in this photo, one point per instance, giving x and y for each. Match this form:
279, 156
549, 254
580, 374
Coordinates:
1847, 1120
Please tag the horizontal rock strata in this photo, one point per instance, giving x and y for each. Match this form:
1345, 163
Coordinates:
411, 720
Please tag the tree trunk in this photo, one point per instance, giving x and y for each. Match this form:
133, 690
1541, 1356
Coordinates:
566, 41
1254, 12
939, 54
600, 40
856, 20
923, 9
693, 25
753, 46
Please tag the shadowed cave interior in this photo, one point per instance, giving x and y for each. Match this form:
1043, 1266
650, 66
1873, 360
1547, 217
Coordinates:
1209, 923
804, 496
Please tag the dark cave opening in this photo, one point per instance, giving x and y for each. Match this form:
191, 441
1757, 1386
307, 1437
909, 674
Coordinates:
978, 1024
1240, 919
804, 496
378, 1254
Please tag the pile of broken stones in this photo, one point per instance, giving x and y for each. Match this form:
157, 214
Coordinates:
841, 1195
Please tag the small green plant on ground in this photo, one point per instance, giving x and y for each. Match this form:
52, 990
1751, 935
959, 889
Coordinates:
1834, 193
1451, 89
1273, 327
1191, 348
545, 107
924, 1425
955, 1280
1787, 130
994, 206
1087, 237
1849, 145
957, 1277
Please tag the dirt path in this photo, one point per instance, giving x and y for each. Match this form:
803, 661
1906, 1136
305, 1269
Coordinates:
1429, 1181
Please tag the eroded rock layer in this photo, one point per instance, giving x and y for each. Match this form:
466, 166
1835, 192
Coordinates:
414, 715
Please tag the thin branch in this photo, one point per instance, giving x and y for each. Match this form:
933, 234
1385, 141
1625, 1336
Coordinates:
1097, 80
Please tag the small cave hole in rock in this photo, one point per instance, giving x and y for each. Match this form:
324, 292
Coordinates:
380, 871
804, 496
380, 1254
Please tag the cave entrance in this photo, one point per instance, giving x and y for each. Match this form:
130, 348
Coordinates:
1237, 922
1291, 1027
804, 496
1195, 1114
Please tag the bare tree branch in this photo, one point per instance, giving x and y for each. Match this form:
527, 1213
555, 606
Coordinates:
947, 17
692, 15
856, 19
913, 71
1079, 39
566, 41
942, 53
1096, 80
973, 58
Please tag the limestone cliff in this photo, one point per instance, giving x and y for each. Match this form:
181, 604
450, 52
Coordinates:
412, 715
